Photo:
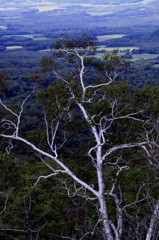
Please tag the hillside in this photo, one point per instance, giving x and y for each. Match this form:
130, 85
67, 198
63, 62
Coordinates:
104, 13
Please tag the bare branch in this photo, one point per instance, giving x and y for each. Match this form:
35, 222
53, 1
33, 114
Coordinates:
11, 229
99, 85
63, 237
18, 116
68, 172
5, 203
48, 176
123, 146
8, 109
154, 219
60, 77
136, 200
130, 116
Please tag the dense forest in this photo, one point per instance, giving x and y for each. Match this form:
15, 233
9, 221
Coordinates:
79, 129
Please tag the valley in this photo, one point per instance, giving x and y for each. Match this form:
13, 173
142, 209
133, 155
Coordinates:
31, 28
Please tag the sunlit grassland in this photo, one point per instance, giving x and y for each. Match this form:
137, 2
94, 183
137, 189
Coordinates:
145, 56
102, 47
13, 47
94, 5
99, 13
146, 1
40, 38
3, 27
7, 9
32, 36
122, 50
109, 37
11, 17
48, 8
156, 65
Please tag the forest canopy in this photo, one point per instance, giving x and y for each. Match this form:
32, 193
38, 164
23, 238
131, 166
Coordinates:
89, 169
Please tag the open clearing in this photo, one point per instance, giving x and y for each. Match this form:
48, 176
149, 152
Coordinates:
41, 38
135, 57
144, 56
156, 65
3, 27
47, 8
146, 1
99, 13
7, 9
32, 36
109, 37
94, 5
14, 47
46, 50
102, 47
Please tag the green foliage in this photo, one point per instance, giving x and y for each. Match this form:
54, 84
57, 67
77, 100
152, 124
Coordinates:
113, 62
47, 64
45, 207
148, 97
84, 42
54, 99
3, 84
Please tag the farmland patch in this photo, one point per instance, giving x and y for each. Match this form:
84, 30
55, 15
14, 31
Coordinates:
144, 56
3, 27
14, 47
99, 13
109, 37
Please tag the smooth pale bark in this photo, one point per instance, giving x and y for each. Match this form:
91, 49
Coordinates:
103, 205
101, 186
153, 221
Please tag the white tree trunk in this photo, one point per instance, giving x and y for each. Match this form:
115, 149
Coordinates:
103, 206
104, 213
154, 218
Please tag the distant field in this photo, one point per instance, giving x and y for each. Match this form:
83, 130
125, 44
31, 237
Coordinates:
109, 37
40, 38
13, 47
156, 65
27, 36
146, 1
144, 56
7, 9
102, 47
94, 5
3, 27
32, 36
11, 17
45, 50
99, 13
47, 8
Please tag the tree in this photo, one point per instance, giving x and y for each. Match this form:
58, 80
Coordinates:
90, 92
151, 152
